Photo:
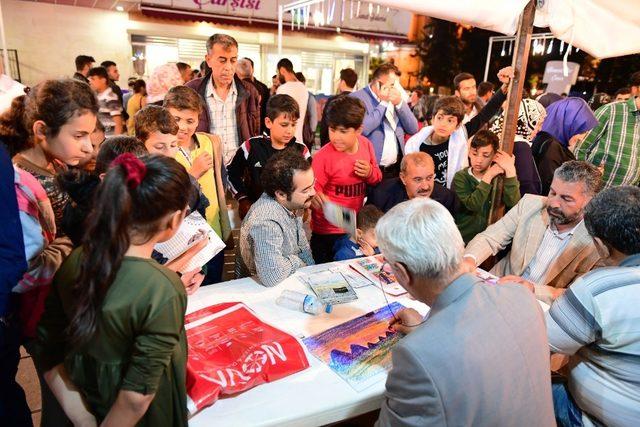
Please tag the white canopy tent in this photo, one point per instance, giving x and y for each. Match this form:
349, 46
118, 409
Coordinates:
603, 28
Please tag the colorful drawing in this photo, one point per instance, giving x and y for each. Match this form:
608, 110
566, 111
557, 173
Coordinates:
359, 351
379, 273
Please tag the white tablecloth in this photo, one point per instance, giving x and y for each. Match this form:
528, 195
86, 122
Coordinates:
313, 397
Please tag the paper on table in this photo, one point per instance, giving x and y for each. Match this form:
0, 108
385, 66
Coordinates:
355, 280
193, 229
371, 268
486, 276
330, 286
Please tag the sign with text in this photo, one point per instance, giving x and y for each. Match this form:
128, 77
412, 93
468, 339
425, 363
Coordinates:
555, 79
355, 16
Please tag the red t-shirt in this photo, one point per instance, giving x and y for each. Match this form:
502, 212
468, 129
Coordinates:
336, 178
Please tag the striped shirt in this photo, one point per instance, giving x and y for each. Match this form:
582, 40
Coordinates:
109, 106
552, 245
597, 321
273, 244
223, 119
614, 143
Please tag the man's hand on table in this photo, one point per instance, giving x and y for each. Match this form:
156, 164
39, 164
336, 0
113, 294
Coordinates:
517, 279
406, 321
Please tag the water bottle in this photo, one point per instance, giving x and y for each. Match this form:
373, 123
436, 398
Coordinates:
302, 302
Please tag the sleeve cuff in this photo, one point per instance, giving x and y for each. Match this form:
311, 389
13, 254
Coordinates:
473, 257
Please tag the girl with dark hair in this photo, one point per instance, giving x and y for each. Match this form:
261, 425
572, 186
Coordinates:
111, 341
48, 129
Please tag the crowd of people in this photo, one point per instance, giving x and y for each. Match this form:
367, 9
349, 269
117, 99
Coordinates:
94, 177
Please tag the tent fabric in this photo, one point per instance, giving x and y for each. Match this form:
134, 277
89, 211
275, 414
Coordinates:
603, 28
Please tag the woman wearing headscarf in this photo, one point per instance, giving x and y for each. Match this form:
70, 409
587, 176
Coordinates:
163, 78
530, 118
567, 122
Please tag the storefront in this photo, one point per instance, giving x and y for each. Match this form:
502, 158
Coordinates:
322, 40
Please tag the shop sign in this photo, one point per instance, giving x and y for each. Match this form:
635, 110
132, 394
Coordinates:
369, 18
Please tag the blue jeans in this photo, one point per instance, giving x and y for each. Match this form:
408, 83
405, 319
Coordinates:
567, 412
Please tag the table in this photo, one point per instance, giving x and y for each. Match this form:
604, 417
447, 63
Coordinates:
315, 396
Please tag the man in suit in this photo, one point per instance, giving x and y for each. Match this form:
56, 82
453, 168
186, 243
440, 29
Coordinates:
550, 245
416, 179
480, 356
388, 118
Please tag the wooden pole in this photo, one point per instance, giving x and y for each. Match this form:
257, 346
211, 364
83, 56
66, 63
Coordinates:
514, 96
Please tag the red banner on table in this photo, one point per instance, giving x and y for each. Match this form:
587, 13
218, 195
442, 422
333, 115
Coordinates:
231, 350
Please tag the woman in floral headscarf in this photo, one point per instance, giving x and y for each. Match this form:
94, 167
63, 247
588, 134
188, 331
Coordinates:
530, 118
163, 78
567, 122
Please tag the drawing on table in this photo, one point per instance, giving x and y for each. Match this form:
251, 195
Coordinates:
359, 351
373, 268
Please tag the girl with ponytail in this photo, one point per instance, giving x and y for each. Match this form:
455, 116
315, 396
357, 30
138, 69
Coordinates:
111, 340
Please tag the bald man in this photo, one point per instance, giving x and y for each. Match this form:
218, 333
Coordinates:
416, 179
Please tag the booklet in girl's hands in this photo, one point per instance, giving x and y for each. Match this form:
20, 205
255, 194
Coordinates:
193, 230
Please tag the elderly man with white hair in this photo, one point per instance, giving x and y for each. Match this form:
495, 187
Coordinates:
480, 357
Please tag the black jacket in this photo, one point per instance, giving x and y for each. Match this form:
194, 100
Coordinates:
548, 154
391, 192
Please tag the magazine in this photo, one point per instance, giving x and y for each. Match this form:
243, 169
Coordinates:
194, 229
330, 286
371, 268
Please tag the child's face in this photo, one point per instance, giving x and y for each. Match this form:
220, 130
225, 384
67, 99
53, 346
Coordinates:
282, 128
187, 121
344, 139
481, 158
72, 144
89, 162
164, 144
97, 83
368, 236
444, 124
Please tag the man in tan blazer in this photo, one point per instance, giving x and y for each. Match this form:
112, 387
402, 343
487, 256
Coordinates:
550, 245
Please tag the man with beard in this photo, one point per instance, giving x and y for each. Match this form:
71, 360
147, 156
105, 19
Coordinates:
417, 172
550, 245
273, 244
465, 86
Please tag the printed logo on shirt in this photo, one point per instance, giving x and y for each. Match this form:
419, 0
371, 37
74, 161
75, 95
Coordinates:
353, 190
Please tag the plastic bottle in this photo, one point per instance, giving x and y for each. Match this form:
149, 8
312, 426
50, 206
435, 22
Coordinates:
302, 302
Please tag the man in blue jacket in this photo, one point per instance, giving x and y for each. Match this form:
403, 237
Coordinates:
388, 118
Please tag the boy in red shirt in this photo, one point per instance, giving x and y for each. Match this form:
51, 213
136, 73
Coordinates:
342, 169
